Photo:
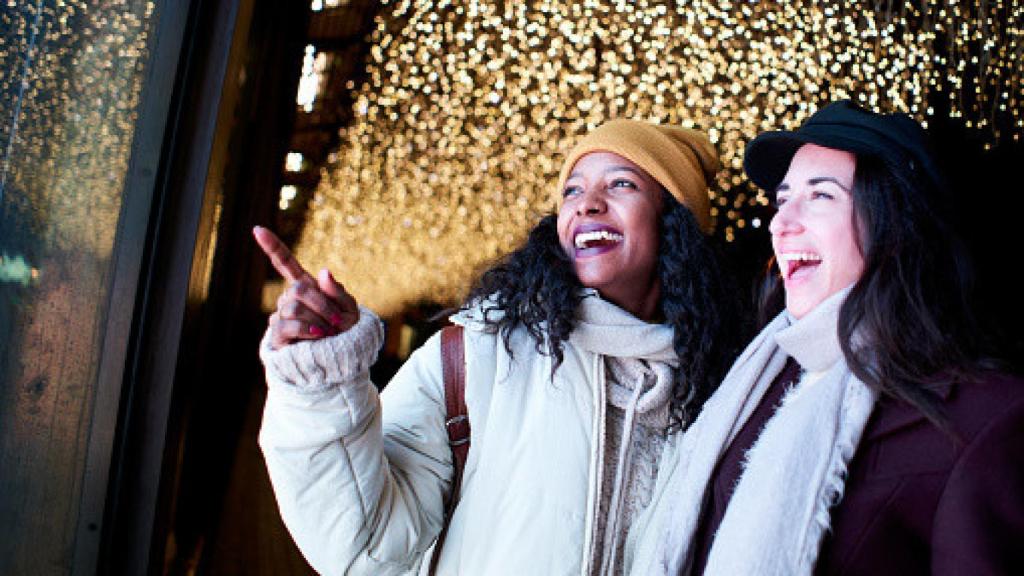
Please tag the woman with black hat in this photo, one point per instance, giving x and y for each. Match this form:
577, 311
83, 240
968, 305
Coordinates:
586, 350
862, 431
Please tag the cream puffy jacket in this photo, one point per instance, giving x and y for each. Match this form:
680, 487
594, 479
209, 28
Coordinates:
362, 488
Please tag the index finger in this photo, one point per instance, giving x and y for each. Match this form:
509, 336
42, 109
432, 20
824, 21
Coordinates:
280, 256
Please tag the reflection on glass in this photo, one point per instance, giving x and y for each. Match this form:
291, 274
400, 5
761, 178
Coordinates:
15, 269
71, 74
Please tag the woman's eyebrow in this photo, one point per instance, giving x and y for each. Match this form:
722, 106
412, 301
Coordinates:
623, 168
813, 181
821, 179
609, 170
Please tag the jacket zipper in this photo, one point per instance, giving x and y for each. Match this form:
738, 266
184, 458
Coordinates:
596, 469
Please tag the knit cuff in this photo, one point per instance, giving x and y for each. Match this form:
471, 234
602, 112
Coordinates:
311, 366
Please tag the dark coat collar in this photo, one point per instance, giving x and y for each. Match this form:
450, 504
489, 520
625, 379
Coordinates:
893, 414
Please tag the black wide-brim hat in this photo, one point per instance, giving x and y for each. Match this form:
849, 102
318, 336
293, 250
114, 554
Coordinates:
897, 139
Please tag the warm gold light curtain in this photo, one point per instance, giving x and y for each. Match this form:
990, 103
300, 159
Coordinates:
459, 129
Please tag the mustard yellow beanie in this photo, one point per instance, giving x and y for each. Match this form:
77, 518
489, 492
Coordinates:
680, 159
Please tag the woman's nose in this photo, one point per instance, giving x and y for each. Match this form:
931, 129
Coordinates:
786, 219
592, 202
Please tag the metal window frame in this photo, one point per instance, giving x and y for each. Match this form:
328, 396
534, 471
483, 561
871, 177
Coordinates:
152, 261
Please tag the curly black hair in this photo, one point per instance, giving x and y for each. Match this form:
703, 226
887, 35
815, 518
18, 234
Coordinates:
536, 287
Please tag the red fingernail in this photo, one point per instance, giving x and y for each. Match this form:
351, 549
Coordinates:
336, 320
316, 331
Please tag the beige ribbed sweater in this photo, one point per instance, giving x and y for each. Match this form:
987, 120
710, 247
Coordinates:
646, 440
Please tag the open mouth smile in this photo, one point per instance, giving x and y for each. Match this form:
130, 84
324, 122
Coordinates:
797, 265
592, 239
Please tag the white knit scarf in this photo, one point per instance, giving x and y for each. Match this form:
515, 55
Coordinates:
604, 328
795, 471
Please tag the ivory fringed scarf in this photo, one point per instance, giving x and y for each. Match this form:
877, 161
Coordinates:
792, 475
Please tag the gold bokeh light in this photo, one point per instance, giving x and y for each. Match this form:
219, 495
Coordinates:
68, 98
468, 106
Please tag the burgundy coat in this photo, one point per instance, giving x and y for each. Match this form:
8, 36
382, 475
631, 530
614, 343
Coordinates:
918, 502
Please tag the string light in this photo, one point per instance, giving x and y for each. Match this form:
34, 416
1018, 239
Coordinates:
319, 5
468, 106
293, 162
288, 193
312, 79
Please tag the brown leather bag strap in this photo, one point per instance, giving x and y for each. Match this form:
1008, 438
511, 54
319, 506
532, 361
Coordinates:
453, 370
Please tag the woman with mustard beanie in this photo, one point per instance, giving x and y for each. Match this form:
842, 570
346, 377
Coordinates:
586, 352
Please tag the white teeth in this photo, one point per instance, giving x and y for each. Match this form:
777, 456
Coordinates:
788, 258
804, 256
584, 238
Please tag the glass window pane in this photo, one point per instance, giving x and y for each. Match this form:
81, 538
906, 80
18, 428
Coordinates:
71, 74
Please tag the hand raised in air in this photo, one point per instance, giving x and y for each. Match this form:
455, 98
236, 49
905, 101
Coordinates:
309, 308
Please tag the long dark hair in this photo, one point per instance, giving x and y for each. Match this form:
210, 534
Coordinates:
536, 287
907, 326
